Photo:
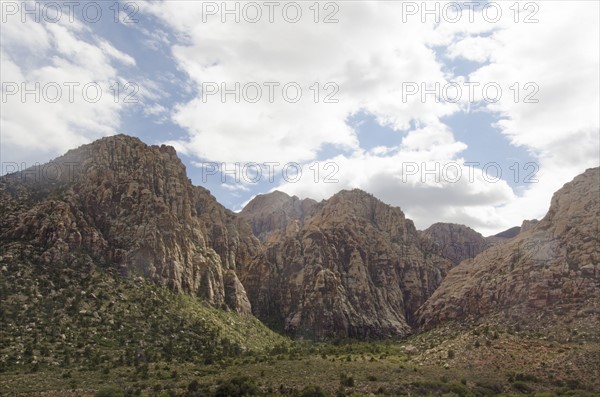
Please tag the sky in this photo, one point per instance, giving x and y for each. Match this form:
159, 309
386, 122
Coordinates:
453, 111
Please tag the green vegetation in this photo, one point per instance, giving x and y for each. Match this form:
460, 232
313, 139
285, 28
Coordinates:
84, 317
84, 331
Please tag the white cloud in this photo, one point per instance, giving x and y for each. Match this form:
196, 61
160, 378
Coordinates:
362, 55
561, 130
370, 55
57, 60
427, 190
559, 54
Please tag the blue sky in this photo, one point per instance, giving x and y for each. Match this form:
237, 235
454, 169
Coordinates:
372, 138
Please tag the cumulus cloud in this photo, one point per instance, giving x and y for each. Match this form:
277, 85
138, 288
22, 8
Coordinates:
367, 57
71, 75
559, 122
362, 64
558, 125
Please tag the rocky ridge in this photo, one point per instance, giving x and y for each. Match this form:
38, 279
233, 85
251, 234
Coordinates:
550, 270
350, 266
120, 202
453, 242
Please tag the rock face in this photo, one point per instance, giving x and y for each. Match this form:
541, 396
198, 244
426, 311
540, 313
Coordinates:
551, 269
350, 266
453, 242
527, 225
130, 206
269, 213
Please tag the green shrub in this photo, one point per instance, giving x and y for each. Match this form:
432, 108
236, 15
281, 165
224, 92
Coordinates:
110, 391
459, 389
521, 387
238, 386
346, 380
312, 391
193, 385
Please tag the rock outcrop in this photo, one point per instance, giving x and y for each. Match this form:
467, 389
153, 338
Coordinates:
269, 213
552, 269
350, 266
131, 207
453, 242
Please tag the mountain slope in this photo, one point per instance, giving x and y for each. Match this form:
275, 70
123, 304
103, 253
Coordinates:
79, 314
453, 242
130, 205
268, 213
550, 271
351, 266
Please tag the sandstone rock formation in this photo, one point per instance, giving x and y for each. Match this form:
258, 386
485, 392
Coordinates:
551, 269
453, 242
350, 266
130, 206
269, 213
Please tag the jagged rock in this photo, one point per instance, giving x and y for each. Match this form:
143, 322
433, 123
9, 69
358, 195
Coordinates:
350, 266
130, 206
553, 268
269, 213
527, 225
453, 242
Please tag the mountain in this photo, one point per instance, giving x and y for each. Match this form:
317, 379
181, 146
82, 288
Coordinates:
269, 213
548, 274
116, 271
453, 242
122, 204
350, 266
509, 233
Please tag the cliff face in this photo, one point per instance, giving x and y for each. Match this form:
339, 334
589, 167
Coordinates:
130, 206
350, 266
453, 242
552, 268
271, 213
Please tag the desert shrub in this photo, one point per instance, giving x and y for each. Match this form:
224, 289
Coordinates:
238, 386
110, 391
458, 389
312, 391
487, 389
521, 386
346, 380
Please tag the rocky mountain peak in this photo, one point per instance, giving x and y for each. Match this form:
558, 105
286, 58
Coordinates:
271, 213
132, 207
350, 266
547, 272
453, 241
